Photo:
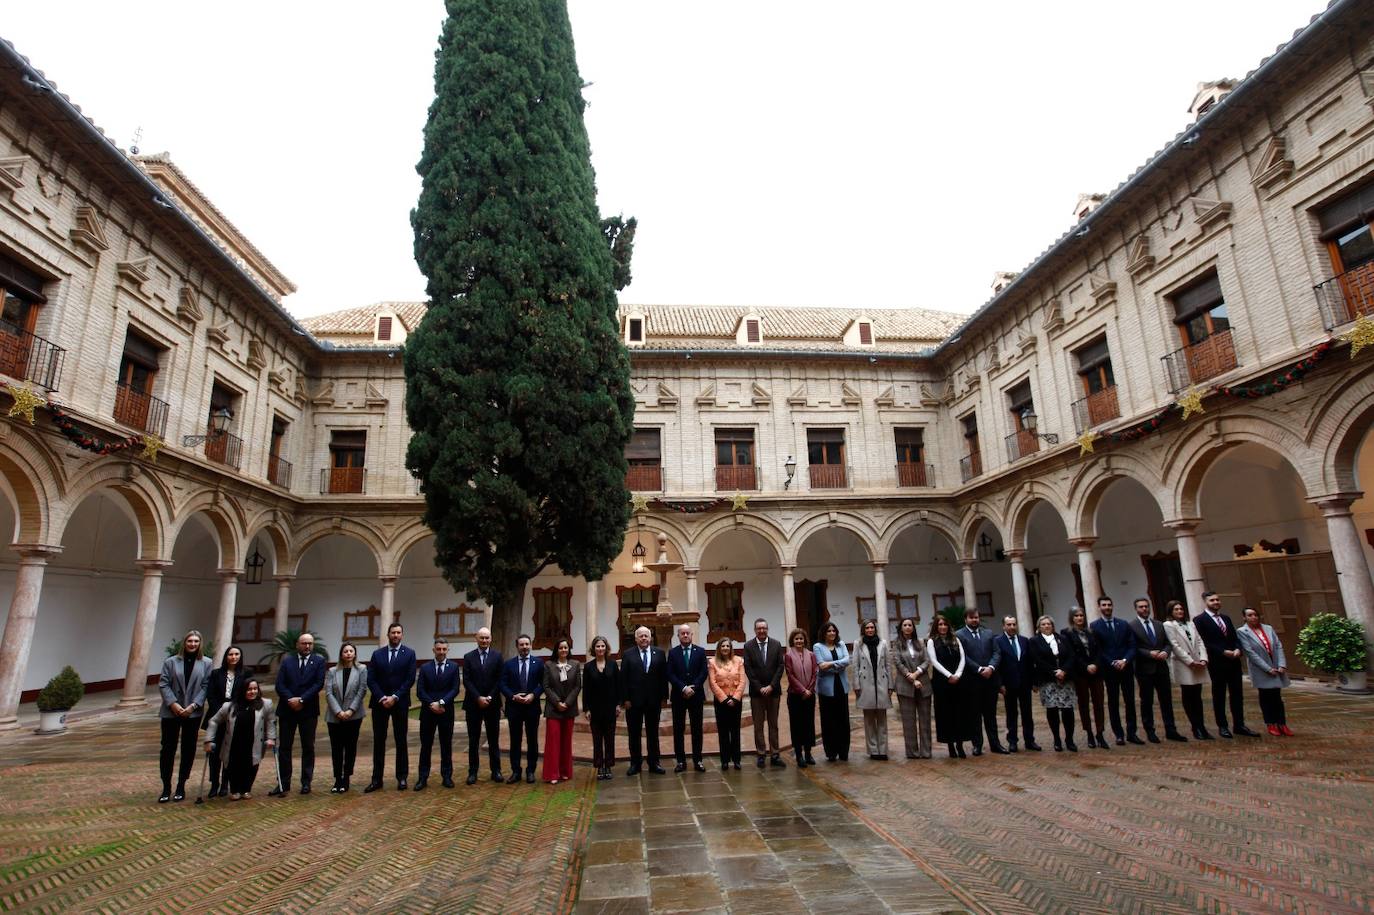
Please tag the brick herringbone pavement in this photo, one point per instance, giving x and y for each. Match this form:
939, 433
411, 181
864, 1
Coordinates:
1244, 825
82, 833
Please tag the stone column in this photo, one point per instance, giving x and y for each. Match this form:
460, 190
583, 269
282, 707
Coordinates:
880, 598
141, 644
1189, 560
283, 608
589, 623
388, 608
1352, 570
789, 601
19, 626
1087, 570
1020, 591
694, 602
970, 591
224, 622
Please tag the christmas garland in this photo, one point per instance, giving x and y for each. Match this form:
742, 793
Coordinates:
691, 508
85, 440
1278, 383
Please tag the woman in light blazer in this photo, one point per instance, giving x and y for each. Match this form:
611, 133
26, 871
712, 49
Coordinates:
873, 687
345, 691
911, 675
242, 728
1188, 663
1268, 669
832, 686
562, 683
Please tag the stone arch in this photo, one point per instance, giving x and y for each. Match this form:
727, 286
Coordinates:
226, 525
278, 542
405, 540
1091, 484
677, 534
1338, 428
755, 524
143, 496
25, 472
316, 531
937, 521
978, 514
843, 520
1191, 458
1020, 514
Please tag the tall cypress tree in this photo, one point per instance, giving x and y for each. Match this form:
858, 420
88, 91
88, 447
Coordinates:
517, 386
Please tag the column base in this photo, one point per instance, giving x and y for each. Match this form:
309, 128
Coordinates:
9, 724
127, 702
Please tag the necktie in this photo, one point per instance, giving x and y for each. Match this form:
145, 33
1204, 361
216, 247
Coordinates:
482, 659
977, 636
441, 668
1221, 623
1016, 648
645, 655
305, 659
1150, 628
393, 657
524, 671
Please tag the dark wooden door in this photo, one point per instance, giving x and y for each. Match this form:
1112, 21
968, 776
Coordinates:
812, 609
1163, 580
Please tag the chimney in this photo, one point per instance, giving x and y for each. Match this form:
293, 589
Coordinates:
1001, 280
1208, 94
1087, 203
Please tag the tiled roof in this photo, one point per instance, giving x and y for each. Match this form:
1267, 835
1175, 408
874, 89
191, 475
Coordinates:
360, 321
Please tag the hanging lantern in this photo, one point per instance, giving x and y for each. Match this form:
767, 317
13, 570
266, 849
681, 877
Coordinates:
253, 567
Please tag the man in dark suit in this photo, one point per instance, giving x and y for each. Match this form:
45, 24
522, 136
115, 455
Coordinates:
1223, 663
644, 675
1152, 652
436, 688
1017, 675
1116, 659
763, 669
482, 704
687, 677
299, 681
390, 675
522, 683
983, 654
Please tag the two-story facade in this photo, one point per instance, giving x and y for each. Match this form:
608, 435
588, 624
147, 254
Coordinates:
801, 461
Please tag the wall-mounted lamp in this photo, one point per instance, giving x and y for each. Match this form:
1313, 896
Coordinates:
789, 465
253, 567
1030, 422
219, 424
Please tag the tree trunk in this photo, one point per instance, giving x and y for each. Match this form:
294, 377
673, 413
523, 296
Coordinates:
507, 617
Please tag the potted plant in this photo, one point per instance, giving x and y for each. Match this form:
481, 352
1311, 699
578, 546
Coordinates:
56, 699
283, 644
1335, 645
954, 615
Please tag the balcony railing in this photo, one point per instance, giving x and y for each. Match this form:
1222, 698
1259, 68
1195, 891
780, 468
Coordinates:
736, 476
1344, 297
140, 410
1095, 409
828, 476
1200, 361
278, 471
915, 475
644, 478
970, 466
343, 480
29, 357
1020, 444
224, 448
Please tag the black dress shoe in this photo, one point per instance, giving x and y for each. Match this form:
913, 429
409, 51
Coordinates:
1176, 737
1204, 735
499, 778
998, 748
1058, 745
1224, 732
1011, 748
699, 766
978, 751
514, 780
420, 785
1073, 748
1137, 741
472, 778
801, 762
529, 778
1121, 741
960, 748
448, 783
223, 791
736, 767
763, 761
657, 770
305, 789
777, 763
680, 767
1033, 746
401, 784
277, 792
1243, 731
632, 771
372, 786
1152, 738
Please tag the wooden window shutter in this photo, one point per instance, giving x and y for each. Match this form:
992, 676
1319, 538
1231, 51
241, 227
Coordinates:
865, 333
751, 331
384, 328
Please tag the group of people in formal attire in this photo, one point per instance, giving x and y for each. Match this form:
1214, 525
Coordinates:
957, 678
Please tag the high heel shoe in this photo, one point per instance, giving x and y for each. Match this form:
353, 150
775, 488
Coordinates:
960, 747
1102, 742
1068, 742
1283, 729
949, 748
1058, 747
1092, 741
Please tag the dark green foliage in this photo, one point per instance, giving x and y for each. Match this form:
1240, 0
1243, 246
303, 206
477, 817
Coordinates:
517, 386
954, 615
207, 647
284, 643
1332, 643
62, 692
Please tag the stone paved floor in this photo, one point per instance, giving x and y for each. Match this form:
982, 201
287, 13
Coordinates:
1260, 825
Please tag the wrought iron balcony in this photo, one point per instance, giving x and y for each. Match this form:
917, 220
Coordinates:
223, 448
279, 471
140, 410
915, 474
732, 477
29, 357
1020, 444
970, 466
1095, 409
1343, 298
1200, 361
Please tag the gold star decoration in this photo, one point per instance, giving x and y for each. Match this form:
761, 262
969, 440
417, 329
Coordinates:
151, 446
1360, 336
639, 503
1191, 402
739, 503
26, 400
1085, 442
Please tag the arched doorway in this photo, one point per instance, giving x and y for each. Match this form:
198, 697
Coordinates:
922, 573
336, 595
845, 588
1049, 563
431, 608
741, 582
1136, 555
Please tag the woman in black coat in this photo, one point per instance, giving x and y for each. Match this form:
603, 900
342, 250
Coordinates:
1087, 676
601, 697
1053, 660
226, 685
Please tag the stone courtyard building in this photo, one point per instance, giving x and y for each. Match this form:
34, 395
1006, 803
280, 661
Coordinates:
805, 463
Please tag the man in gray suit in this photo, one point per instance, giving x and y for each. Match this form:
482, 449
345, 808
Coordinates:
1152, 655
980, 648
184, 680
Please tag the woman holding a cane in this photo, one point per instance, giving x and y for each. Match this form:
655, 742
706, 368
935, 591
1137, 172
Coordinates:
247, 725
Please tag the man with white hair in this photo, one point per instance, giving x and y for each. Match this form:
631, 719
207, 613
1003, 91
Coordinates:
644, 672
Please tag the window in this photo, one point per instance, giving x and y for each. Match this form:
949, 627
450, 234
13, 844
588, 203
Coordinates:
222, 447
735, 459
825, 454
725, 611
134, 404
22, 292
971, 464
1095, 366
970, 424
21, 354
552, 616
278, 468
347, 460
1018, 400
910, 447
1345, 227
384, 328
633, 600
956, 599
366, 625
258, 627
1200, 310
1022, 441
865, 333
459, 622
635, 330
751, 331
644, 455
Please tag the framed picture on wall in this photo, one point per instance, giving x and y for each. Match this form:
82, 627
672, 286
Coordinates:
956, 599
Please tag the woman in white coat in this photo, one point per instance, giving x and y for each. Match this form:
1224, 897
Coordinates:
1268, 669
1188, 664
872, 687
242, 729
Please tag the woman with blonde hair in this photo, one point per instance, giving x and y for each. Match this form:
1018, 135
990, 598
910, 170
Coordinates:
725, 674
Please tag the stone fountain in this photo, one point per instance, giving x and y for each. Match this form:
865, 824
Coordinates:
663, 619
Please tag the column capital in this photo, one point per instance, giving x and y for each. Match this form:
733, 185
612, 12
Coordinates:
1183, 525
34, 553
1014, 555
1336, 504
153, 566
388, 580
1083, 543
229, 574
967, 564
787, 566
690, 571
878, 564
285, 578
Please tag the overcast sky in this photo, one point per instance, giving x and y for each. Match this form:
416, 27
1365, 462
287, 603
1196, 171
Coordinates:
822, 153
